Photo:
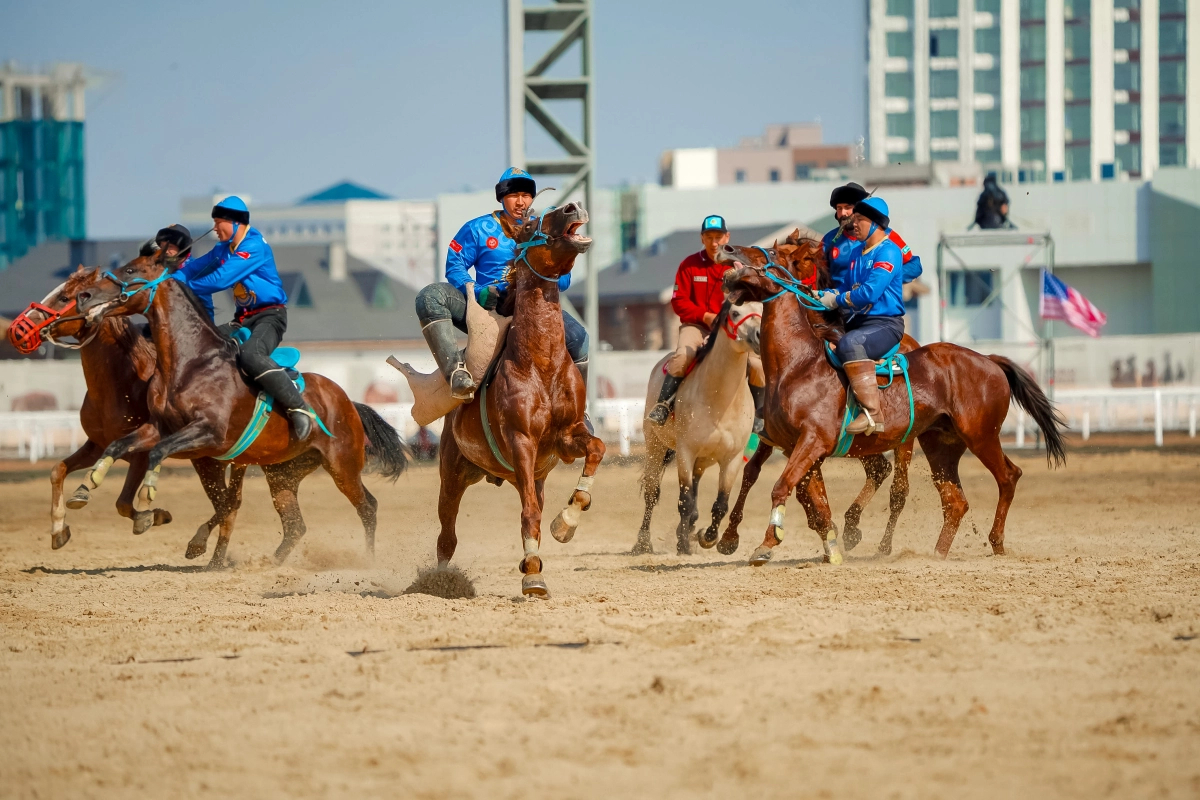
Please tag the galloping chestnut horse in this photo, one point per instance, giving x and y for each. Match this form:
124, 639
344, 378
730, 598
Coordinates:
534, 402
803, 265
117, 363
200, 404
961, 399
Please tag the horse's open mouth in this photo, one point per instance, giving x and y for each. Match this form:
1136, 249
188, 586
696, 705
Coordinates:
571, 233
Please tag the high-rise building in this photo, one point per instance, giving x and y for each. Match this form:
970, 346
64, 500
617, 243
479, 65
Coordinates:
1054, 90
41, 157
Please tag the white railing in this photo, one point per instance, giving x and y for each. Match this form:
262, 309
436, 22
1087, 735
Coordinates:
34, 435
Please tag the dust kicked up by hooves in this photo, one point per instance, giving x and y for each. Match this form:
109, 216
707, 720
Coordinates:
447, 582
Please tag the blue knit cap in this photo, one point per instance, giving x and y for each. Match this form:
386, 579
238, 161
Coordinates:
513, 181
232, 208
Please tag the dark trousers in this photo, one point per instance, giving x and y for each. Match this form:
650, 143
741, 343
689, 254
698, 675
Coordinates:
869, 338
254, 357
442, 301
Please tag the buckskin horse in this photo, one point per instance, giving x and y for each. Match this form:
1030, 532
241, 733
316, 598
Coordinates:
803, 265
117, 362
528, 413
712, 421
960, 399
200, 404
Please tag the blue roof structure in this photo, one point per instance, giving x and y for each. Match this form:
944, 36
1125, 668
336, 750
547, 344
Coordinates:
340, 192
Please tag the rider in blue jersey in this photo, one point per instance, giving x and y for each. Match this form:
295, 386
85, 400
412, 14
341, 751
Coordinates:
482, 246
870, 296
244, 262
841, 244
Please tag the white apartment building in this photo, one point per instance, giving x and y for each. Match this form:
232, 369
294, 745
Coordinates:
397, 237
1054, 90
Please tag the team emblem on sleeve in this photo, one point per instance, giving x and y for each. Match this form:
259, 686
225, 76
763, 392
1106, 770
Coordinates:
884, 265
455, 246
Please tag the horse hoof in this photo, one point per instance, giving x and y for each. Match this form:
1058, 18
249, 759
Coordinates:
761, 555
80, 498
58, 540
706, 540
283, 551
642, 548
833, 550
162, 517
561, 531
683, 549
728, 547
218, 564
142, 522
534, 586
851, 537
885, 549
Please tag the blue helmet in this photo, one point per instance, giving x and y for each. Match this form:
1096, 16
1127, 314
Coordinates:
874, 209
232, 208
513, 181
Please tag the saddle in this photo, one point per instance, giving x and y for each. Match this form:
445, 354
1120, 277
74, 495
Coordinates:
286, 357
892, 364
486, 331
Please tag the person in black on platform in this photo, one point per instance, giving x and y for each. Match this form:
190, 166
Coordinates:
991, 210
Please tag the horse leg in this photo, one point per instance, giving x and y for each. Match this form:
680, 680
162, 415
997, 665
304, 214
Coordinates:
656, 464
813, 498
877, 469
1006, 474
578, 443
148, 518
943, 449
524, 455
212, 478
457, 473
730, 540
725, 479
60, 532
193, 436
284, 482
805, 455
348, 479
899, 495
233, 502
688, 482
145, 437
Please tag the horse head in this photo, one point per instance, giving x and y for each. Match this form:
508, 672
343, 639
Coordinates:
120, 292
801, 254
49, 320
548, 244
743, 324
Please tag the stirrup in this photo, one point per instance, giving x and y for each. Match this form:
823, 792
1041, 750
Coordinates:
660, 413
467, 393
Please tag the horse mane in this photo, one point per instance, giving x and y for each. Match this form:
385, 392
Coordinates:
228, 345
707, 347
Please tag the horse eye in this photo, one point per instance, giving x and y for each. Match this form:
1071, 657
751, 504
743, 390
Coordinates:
129, 270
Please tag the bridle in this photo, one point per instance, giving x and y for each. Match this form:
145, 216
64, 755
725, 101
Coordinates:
539, 239
787, 284
27, 336
731, 330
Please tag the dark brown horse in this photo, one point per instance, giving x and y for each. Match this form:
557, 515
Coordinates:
961, 399
200, 404
534, 402
117, 361
801, 263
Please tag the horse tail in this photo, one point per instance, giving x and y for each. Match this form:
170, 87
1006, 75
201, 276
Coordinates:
387, 454
1033, 400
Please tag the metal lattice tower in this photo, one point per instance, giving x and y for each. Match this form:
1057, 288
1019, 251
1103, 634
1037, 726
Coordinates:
529, 88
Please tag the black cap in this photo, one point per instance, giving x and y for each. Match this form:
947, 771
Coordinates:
175, 234
713, 222
849, 194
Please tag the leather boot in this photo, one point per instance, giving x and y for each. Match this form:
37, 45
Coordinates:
442, 339
866, 391
277, 384
662, 409
759, 393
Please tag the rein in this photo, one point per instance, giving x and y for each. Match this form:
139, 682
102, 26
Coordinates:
141, 283
788, 284
538, 239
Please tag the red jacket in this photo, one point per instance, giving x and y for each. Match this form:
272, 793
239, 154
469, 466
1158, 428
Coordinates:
698, 289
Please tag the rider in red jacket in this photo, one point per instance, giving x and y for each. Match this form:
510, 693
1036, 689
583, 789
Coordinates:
697, 299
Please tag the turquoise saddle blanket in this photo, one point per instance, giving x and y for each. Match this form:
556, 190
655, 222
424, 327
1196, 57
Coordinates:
288, 358
893, 363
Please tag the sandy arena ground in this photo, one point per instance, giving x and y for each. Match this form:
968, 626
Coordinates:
1068, 668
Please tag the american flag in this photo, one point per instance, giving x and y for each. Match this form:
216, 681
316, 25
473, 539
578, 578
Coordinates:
1060, 301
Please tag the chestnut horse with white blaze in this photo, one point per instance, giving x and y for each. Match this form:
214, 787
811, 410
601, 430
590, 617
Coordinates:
809, 268
960, 399
200, 403
529, 413
117, 361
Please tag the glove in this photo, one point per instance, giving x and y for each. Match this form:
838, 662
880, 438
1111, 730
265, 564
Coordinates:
829, 300
489, 298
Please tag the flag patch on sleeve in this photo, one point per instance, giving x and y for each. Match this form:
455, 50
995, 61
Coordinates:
884, 265
455, 246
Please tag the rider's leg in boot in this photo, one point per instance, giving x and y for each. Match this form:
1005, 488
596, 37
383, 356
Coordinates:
583, 371
866, 391
276, 383
759, 394
578, 347
443, 341
662, 409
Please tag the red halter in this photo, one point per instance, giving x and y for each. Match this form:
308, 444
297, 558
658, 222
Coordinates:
26, 335
732, 330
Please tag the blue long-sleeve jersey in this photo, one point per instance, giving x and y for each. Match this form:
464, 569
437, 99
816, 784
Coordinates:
249, 271
481, 245
874, 283
841, 250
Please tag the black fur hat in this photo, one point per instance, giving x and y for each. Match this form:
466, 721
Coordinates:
849, 194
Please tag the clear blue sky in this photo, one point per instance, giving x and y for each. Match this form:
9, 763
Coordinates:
279, 99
